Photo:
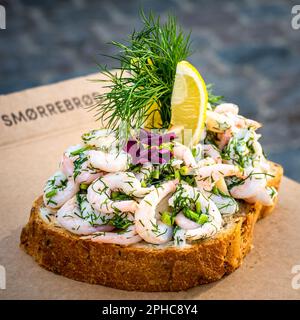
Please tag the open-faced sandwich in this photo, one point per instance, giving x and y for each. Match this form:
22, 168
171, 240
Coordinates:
165, 195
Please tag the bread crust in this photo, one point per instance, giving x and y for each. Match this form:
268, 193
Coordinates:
148, 267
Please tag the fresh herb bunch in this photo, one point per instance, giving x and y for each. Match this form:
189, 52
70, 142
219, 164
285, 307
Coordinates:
143, 83
147, 68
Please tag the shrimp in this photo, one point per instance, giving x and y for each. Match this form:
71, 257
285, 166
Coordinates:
257, 146
226, 117
147, 225
109, 162
84, 172
67, 166
184, 153
206, 162
71, 217
66, 163
198, 231
227, 108
224, 138
124, 237
79, 165
218, 122
58, 190
222, 186
207, 176
243, 148
99, 192
243, 130
241, 122
103, 139
213, 152
250, 186
183, 222
265, 196
208, 229
226, 204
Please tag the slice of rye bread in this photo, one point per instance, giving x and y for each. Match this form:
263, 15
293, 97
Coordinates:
144, 267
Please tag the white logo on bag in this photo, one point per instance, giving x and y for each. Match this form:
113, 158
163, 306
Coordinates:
2, 17
296, 278
2, 278
296, 19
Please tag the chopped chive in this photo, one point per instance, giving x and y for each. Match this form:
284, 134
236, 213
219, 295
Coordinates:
143, 184
155, 174
148, 202
84, 186
114, 195
117, 195
141, 222
177, 175
184, 170
202, 219
194, 152
78, 151
215, 190
51, 193
167, 218
190, 214
198, 207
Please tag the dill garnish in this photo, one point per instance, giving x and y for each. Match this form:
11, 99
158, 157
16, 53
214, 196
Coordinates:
82, 158
120, 221
145, 77
213, 99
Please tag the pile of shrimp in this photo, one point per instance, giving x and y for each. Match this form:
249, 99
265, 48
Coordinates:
99, 194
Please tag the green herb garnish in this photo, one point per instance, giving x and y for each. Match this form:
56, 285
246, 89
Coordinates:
184, 170
51, 193
82, 158
155, 174
198, 207
147, 68
83, 186
202, 219
213, 99
120, 196
79, 151
167, 218
199, 218
120, 221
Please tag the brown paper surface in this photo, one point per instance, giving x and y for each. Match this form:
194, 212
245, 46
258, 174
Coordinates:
31, 143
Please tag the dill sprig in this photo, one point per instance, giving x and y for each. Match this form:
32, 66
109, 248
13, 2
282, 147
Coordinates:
145, 75
212, 98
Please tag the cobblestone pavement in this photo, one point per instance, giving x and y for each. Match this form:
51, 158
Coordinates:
246, 48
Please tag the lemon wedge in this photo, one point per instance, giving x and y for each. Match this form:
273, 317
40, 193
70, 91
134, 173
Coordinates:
188, 102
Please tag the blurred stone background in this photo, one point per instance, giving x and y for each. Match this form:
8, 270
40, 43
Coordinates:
248, 49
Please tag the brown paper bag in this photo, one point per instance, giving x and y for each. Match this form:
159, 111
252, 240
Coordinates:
36, 126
